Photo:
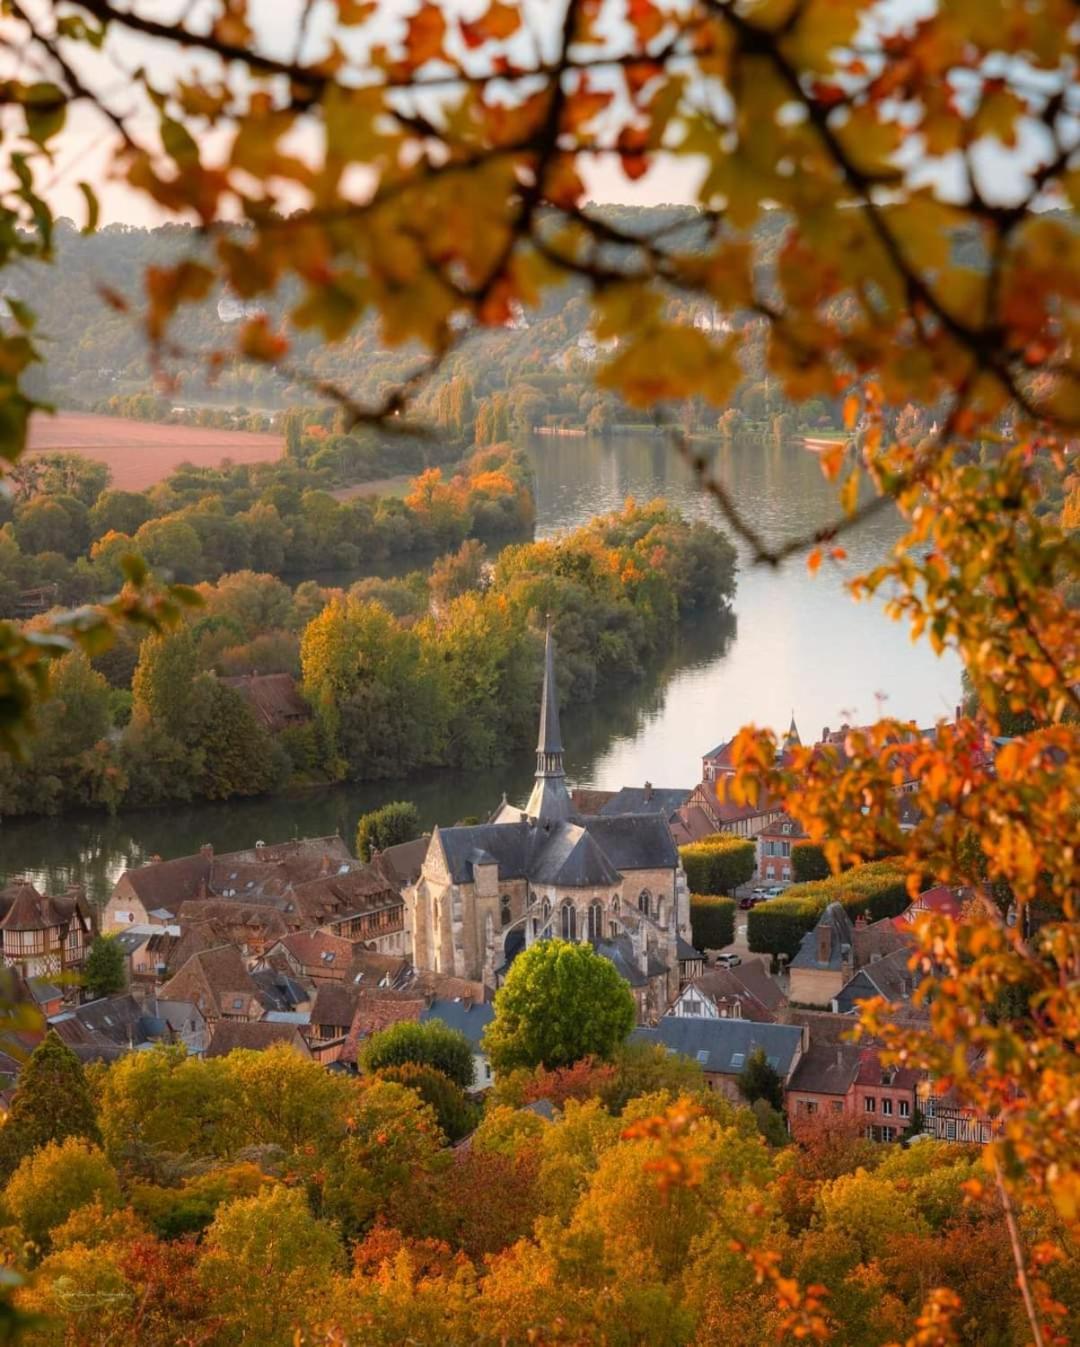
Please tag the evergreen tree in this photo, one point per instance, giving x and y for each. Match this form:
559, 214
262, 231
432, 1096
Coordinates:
51, 1102
758, 1080
104, 973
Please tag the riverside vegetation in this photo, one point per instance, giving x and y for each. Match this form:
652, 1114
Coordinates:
436, 670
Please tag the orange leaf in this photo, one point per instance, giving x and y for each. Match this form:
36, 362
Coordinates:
851, 410
497, 24
813, 561
424, 38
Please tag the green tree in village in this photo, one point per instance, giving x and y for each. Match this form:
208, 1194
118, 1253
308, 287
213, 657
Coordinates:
760, 1080
387, 826
104, 973
560, 1002
428, 1043
51, 1103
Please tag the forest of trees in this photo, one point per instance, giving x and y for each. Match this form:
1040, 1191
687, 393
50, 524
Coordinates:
249, 1199
64, 526
432, 670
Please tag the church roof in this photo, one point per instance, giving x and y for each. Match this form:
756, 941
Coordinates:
571, 859
644, 800
634, 841
587, 853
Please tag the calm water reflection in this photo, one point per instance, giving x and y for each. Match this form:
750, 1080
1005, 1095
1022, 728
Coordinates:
795, 643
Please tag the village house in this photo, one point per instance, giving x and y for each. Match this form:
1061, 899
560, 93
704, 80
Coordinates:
42, 936
486, 892
887, 975
254, 1036
823, 1082
261, 895
834, 951
146, 949
886, 1097
746, 992
722, 1047
274, 699
774, 849
111, 1026
316, 955
218, 983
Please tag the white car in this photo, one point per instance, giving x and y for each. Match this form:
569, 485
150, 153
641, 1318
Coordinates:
728, 960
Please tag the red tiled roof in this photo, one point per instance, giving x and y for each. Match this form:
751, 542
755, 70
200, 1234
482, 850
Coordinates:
274, 698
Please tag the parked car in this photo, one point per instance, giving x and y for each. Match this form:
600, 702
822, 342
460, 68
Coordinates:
728, 960
751, 900
775, 891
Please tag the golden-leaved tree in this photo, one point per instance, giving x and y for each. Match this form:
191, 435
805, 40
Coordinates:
428, 164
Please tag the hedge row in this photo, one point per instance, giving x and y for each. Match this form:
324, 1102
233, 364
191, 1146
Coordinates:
712, 921
875, 891
808, 862
719, 863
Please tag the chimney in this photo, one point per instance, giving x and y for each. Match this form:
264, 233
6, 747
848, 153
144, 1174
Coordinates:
155, 859
825, 735
260, 851
860, 921
207, 850
824, 943
648, 791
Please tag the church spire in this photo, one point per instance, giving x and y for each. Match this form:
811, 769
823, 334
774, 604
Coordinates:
550, 801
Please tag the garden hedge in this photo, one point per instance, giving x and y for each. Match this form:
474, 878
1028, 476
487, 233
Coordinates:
719, 863
808, 862
875, 890
712, 921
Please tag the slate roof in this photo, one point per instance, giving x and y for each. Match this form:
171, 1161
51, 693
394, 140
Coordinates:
841, 932
278, 991
889, 977
572, 859
634, 841
467, 1017
619, 949
723, 1046
827, 1068
255, 1035
644, 800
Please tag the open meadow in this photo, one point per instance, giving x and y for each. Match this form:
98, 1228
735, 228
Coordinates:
140, 453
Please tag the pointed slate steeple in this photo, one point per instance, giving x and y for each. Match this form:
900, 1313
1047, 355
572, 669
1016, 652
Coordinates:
792, 739
550, 801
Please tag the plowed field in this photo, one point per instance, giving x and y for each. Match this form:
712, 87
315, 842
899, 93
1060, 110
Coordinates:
141, 453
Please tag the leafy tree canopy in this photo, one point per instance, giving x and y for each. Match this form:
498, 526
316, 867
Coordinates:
560, 1002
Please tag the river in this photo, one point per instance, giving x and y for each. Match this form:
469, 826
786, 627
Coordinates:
795, 643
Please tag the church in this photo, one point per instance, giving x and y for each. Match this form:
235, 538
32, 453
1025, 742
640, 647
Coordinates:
486, 892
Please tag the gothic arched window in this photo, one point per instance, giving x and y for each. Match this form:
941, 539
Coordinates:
659, 912
504, 910
644, 901
568, 927
596, 921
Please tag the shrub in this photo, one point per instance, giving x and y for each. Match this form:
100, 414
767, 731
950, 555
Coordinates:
712, 921
718, 864
875, 890
808, 862
55, 1181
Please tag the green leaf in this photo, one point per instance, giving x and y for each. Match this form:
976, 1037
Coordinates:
93, 209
